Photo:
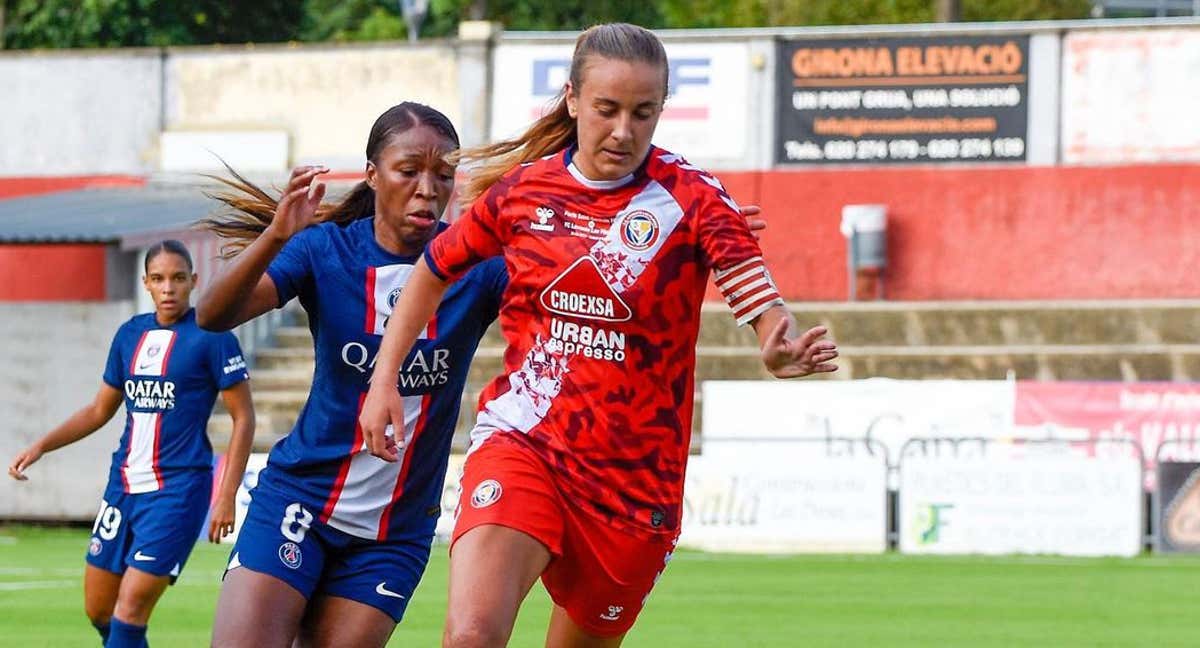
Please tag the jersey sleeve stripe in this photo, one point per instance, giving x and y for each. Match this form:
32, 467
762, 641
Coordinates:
735, 295
721, 274
752, 297
747, 313
732, 282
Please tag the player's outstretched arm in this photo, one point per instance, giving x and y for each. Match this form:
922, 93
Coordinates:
787, 355
82, 423
244, 290
238, 402
383, 407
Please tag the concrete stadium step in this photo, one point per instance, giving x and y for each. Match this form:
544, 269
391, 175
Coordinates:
1085, 340
287, 337
298, 377
972, 323
267, 431
292, 368
980, 323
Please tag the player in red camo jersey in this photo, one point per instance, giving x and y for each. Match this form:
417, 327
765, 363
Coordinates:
576, 467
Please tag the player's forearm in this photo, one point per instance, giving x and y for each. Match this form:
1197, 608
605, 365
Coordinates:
227, 301
240, 443
769, 319
80, 424
414, 308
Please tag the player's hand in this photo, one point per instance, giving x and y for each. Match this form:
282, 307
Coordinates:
807, 354
221, 519
382, 421
756, 224
298, 205
27, 458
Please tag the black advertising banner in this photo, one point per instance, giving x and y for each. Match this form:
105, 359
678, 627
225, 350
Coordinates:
1179, 506
894, 100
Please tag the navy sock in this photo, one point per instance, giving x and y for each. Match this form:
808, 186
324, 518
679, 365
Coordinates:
126, 635
103, 630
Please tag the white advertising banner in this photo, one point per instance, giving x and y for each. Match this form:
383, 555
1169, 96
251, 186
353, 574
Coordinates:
1130, 96
707, 112
887, 411
1045, 502
764, 499
254, 465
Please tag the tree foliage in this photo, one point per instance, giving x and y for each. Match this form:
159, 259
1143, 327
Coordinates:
137, 23
111, 23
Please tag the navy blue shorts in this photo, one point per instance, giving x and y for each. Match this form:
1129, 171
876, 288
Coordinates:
285, 539
153, 532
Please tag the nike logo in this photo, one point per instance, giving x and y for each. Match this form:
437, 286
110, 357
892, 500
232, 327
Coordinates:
141, 556
147, 365
382, 590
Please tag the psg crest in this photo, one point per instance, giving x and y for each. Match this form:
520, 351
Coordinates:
289, 553
639, 232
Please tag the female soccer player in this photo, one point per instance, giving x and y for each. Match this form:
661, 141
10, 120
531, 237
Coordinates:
576, 467
335, 539
168, 373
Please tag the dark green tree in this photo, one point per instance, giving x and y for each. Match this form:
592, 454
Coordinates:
789, 13
136, 23
112, 23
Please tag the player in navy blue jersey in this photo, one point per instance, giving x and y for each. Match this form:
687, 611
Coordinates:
167, 372
336, 539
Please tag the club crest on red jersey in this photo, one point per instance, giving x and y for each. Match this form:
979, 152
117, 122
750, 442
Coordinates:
580, 291
639, 230
486, 493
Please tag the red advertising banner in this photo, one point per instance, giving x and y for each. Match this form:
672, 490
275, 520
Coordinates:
1147, 413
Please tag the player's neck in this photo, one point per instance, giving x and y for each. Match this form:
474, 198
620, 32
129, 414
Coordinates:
391, 242
167, 319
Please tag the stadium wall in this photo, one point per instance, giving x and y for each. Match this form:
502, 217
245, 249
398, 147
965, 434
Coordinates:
54, 357
325, 97
53, 272
988, 232
80, 112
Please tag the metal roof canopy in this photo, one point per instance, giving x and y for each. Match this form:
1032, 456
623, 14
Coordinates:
131, 216
103, 215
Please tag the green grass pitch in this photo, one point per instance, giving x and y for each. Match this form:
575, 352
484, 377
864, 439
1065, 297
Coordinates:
711, 600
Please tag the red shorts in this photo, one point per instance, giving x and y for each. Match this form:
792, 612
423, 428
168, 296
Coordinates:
601, 576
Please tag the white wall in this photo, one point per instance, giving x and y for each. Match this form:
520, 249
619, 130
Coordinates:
54, 356
326, 97
79, 112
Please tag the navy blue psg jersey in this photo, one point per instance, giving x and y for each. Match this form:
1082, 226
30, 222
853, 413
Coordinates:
349, 284
170, 376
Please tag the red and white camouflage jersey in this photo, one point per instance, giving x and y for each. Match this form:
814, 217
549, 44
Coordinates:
601, 314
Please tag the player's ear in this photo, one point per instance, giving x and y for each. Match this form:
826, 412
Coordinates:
370, 173
572, 99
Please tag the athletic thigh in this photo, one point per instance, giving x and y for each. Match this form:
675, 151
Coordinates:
492, 568
100, 589
139, 594
256, 610
333, 621
509, 525
273, 571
